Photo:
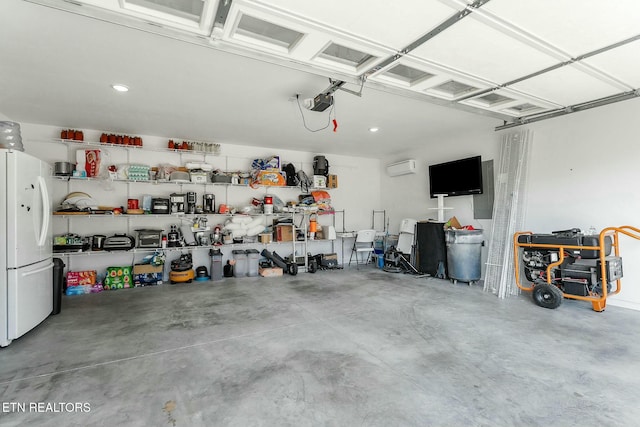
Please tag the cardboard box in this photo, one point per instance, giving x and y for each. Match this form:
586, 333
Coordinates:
265, 237
147, 274
319, 181
332, 181
453, 223
118, 278
284, 233
78, 278
147, 268
270, 272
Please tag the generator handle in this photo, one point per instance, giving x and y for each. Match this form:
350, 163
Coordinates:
627, 230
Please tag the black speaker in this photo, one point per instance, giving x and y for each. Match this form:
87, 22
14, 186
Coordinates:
431, 249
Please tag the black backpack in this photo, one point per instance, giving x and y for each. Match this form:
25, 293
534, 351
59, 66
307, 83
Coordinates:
292, 176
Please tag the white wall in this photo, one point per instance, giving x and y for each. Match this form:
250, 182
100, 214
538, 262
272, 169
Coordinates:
584, 172
357, 197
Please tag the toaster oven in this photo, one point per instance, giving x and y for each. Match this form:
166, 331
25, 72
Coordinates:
149, 238
118, 242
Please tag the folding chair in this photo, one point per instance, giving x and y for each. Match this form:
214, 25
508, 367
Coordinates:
363, 243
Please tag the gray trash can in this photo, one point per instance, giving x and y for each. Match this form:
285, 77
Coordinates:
464, 254
253, 261
216, 264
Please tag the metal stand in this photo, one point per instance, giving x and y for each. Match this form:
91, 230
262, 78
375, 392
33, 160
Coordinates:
295, 241
441, 208
339, 233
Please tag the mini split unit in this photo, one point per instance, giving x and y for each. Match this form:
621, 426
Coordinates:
404, 167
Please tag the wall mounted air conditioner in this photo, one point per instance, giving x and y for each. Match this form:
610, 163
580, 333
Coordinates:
402, 168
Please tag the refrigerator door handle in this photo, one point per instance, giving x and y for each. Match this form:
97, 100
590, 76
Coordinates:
40, 270
46, 211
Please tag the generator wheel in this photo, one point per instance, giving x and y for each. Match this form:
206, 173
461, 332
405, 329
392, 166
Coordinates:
547, 296
313, 266
292, 269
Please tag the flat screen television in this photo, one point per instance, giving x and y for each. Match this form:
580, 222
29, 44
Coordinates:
457, 178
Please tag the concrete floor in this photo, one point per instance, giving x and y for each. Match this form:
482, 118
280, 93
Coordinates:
335, 348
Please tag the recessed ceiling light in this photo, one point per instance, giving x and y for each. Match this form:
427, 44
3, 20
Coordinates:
374, 129
120, 88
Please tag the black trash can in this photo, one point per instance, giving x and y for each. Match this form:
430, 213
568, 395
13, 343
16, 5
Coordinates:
58, 277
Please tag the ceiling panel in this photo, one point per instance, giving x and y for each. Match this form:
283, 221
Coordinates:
574, 26
567, 86
189, 9
267, 32
404, 73
510, 102
392, 25
453, 89
430, 79
299, 40
475, 48
623, 63
188, 15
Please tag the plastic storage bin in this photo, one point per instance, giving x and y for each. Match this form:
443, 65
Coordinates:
253, 258
10, 136
240, 257
464, 253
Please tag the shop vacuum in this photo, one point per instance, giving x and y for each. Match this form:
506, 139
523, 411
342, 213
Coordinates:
202, 274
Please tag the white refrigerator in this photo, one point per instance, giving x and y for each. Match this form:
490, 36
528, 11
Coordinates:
26, 260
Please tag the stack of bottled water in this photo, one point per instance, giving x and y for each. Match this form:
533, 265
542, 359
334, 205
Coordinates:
10, 136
